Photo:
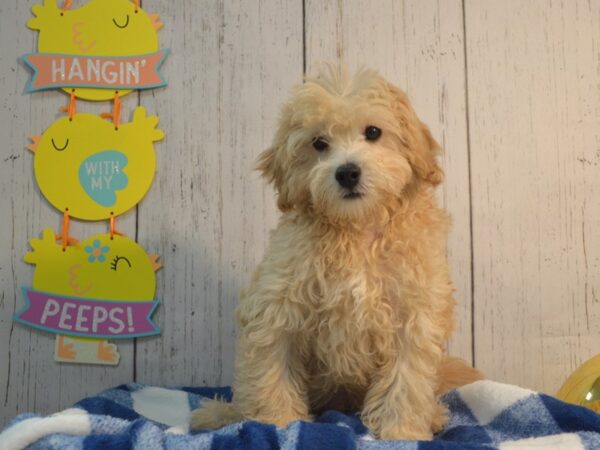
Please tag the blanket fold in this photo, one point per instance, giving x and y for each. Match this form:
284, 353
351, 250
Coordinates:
483, 415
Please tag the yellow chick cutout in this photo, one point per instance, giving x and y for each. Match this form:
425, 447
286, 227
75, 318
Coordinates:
99, 27
90, 168
83, 165
102, 267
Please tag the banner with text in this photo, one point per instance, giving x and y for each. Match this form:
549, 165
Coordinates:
52, 71
87, 317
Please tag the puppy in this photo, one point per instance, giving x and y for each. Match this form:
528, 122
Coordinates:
352, 305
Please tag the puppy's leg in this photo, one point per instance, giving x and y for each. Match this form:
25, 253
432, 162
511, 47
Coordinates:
401, 401
270, 379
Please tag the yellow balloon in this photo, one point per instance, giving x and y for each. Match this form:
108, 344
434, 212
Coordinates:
99, 28
87, 167
583, 386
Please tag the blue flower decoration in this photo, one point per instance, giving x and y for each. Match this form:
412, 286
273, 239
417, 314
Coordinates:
96, 252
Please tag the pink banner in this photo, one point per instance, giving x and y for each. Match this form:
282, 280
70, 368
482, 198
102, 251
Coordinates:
108, 72
86, 317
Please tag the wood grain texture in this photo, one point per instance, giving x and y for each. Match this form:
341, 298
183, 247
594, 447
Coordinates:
208, 213
534, 112
417, 45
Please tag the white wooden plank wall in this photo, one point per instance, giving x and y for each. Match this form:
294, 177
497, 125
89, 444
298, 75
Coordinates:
534, 119
510, 89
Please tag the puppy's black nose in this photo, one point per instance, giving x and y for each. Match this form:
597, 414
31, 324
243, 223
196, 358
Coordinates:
348, 175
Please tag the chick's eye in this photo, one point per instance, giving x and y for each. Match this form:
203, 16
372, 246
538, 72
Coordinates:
123, 24
372, 133
118, 261
60, 148
320, 144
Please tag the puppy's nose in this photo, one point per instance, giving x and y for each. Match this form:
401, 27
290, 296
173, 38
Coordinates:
348, 175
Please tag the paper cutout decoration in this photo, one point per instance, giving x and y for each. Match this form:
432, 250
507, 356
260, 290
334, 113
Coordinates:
82, 316
102, 48
93, 170
117, 73
71, 349
100, 287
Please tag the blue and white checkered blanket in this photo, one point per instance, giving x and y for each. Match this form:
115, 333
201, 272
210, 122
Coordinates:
483, 415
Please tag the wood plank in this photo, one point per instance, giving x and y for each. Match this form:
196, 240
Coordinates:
208, 213
417, 45
534, 111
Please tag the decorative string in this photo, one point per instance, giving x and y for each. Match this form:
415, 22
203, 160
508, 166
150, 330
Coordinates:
71, 109
113, 231
137, 5
67, 4
65, 230
117, 110
72, 102
116, 114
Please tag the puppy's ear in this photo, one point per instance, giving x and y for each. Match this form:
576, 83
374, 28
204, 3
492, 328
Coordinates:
269, 165
423, 149
265, 164
424, 156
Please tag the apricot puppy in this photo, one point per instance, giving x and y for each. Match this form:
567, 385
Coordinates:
352, 304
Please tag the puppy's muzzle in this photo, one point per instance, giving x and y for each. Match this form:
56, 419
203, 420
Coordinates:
348, 175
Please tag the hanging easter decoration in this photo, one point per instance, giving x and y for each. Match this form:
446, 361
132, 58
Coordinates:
102, 48
90, 168
86, 167
102, 287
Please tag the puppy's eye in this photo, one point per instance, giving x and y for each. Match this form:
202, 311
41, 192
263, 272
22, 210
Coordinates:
372, 133
320, 144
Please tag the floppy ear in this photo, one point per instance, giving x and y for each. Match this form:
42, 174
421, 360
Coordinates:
423, 149
265, 164
424, 159
273, 162
270, 165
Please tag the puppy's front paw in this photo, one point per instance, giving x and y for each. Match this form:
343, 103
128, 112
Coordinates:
440, 418
214, 414
394, 430
283, 420
414, 433
404, 433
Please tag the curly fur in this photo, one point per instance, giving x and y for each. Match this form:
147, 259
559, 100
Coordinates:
352, 304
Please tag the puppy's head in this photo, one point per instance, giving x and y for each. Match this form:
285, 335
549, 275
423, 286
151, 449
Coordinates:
346, 146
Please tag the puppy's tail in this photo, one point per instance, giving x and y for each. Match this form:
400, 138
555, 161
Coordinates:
455, 372
214, 414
